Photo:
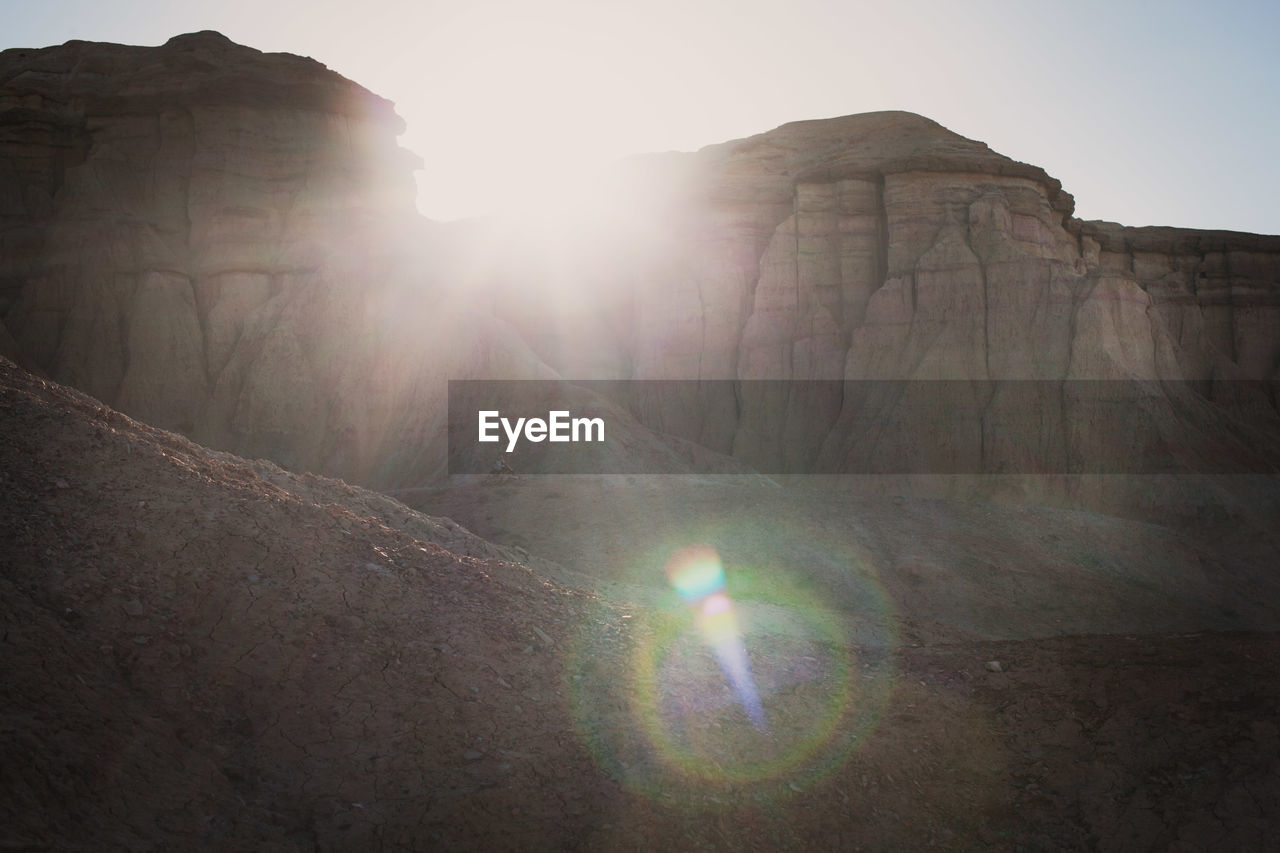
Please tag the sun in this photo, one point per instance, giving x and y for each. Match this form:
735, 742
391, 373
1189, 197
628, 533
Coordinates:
523, 105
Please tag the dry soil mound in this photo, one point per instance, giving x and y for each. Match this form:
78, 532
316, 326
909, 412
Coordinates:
196, 658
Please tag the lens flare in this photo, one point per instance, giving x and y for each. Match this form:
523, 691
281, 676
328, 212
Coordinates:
686, 714
698, 575
696, 572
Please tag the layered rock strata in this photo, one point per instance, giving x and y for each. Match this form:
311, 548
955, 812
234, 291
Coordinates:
223, 241
885, 247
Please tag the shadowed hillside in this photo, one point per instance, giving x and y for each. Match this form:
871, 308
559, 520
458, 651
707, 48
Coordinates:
200, 658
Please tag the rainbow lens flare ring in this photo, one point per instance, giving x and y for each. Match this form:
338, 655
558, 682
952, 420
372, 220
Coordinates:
676, 725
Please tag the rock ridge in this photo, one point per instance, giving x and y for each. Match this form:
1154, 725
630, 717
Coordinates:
223, 242
211, 238
867, 146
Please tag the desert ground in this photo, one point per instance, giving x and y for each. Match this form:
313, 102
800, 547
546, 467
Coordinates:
203, 653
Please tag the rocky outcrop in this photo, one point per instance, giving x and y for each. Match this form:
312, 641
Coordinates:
885, 247
224, 242
1217, 293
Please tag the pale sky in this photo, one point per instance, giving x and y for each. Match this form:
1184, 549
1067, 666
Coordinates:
1150, 113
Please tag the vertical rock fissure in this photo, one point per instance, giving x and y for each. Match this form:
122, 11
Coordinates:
986, 322
747, 306
186, 185
202, 321
882, 234
202, 308
1078, 297
798, 332
795, 242
125, 357
702, 327
986, 350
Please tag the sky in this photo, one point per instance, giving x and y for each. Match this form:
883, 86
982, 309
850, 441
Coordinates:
1150, 113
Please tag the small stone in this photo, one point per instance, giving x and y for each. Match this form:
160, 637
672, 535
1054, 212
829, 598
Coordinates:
133, 607
62, 484
994, 666
472, 755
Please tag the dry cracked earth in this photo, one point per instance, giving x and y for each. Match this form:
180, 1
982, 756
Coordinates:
201, 653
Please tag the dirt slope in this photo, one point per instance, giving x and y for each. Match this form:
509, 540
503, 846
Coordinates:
938, 570
197, 658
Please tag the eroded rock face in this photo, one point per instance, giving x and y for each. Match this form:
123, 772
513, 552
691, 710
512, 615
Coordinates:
224, 242
1216, 293
885, 247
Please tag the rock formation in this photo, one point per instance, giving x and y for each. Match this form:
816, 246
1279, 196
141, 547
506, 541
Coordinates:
203, 652
222, 241
885, 247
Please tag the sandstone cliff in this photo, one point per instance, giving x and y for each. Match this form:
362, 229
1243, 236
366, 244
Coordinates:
222, 241
885, 247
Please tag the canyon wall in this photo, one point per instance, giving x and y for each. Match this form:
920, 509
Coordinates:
223, 242
1014, 339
